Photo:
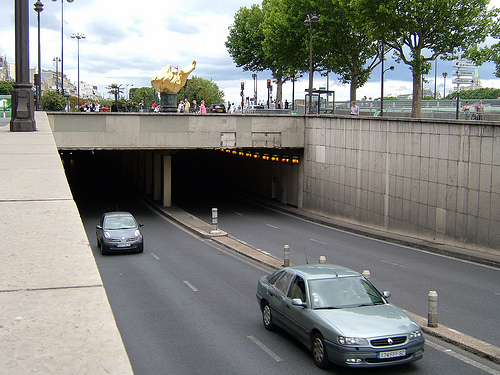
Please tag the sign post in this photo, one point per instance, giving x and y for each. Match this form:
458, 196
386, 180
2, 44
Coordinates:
463, 76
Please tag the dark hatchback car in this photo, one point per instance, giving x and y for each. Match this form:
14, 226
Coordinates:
340, 316
119, 232
217, 108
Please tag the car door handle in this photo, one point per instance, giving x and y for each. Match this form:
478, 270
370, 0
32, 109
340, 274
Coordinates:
271, 294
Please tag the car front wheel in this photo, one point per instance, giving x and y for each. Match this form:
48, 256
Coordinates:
319, 351
103, 249
267, 317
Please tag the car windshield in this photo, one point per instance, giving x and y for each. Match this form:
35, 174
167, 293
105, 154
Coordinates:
119, 222
341, 292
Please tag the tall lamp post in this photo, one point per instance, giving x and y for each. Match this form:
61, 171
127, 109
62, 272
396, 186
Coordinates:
62, 44
445, 74
254, 76
78, 36
22, 117
310, 19
56, 61
382, 87
39, 8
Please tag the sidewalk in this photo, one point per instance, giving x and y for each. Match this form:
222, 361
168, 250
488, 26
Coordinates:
447, 334
54, 313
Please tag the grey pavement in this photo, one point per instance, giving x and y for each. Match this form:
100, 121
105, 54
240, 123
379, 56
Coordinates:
54, 313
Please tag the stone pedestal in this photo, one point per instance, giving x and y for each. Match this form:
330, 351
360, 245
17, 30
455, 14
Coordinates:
168, 102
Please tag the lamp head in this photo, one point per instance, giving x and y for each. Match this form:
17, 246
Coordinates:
38, 6
392, 67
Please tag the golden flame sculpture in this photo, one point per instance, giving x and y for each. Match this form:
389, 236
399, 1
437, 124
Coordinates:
171, 81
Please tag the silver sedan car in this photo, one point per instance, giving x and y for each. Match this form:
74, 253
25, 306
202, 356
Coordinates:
339, 315
119, 232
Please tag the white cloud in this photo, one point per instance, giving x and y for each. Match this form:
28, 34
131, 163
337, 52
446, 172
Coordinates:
128, 41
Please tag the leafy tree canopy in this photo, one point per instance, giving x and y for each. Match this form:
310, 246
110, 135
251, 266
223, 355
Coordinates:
199, 89
6, 87
419, 31
52, 101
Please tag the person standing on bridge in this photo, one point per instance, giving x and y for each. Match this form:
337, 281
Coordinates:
354, 109
480, 110
203, 109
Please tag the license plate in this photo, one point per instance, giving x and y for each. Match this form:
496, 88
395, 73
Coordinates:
123, 245
393, 354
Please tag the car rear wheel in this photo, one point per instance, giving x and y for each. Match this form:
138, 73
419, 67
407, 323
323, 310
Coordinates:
267, 317
319, 351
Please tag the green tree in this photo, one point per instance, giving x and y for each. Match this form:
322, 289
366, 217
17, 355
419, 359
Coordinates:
146, 94
6, 87
52, 101
419, 31
202, 89
115, 90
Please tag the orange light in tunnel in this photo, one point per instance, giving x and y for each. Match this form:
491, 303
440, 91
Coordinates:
265, 157
285, 159
295, 159
275, 157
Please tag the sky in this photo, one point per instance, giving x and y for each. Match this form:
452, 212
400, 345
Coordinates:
129, 41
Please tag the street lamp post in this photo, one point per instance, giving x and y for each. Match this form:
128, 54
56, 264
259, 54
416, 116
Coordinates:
445, 74
22, 117
62, 44
310, 19
78, 36
254, 76
127, 94
294, 79
57, 60
39, 8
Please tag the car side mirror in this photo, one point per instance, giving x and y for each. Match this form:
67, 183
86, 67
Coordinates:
298, 302
98, 227
141, 225
387, 294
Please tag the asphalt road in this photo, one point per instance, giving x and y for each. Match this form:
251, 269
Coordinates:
468, 293
186, 306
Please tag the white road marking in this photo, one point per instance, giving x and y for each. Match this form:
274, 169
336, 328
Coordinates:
272, 226
238, 213
394, 264
191, 286
272, 354
318, 241
462, 358
155, 256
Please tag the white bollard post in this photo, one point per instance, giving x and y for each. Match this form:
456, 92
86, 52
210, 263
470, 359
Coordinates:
322, 259
366, 274
215, 221
432, 320
286, 260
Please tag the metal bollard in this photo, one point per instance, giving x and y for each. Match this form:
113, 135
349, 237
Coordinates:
286, 260
366, 274
322, 259
432, 320
215, 221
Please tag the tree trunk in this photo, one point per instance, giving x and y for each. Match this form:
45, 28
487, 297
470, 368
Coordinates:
354, 86
416, 107
279, 90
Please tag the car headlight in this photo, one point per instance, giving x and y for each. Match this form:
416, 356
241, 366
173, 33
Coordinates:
352, 341
137, 233
107, 235
415, 334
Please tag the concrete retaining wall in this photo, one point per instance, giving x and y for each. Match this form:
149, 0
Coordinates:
435, 180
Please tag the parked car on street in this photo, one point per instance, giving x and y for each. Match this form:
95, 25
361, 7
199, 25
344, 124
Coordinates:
339, 315
217, 108
119, 232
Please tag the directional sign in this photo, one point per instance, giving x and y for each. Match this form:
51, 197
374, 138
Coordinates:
464, 64
462, 80
463, 73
